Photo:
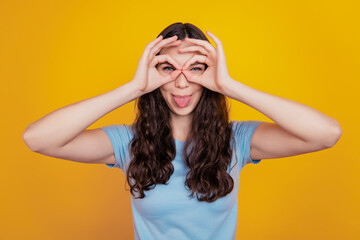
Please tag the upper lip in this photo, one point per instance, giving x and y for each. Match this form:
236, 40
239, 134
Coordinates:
181, 95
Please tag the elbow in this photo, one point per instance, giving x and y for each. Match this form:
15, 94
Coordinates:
335, 133
29, 142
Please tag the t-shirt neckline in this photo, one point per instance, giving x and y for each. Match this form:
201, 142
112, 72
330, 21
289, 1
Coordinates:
181, 143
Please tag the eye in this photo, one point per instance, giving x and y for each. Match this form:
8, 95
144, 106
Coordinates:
167, 68
197, 68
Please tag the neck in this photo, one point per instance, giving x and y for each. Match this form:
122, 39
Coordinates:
181, 126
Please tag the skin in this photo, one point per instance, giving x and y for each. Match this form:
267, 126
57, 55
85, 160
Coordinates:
180, 117
296, 128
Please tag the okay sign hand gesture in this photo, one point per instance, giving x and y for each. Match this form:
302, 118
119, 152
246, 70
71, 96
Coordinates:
216, 76
147, 78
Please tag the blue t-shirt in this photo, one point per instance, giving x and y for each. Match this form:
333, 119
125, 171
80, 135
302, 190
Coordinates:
167, 211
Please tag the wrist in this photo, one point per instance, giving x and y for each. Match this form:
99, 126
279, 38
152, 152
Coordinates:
134, 89
228, 86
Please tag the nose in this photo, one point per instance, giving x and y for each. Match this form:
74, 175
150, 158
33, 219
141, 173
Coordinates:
181, 81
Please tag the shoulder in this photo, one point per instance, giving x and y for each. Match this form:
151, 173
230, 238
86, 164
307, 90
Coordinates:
244, 126
243, 130
120, 132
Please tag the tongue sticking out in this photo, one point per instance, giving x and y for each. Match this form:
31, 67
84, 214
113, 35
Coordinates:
182, 101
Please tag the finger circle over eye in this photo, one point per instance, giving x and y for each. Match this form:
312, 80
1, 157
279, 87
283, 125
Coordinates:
163, 43
164, 58
196, 58
153, 42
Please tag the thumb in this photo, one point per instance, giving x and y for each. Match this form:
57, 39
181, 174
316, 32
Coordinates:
172, 76
190, 77
175, 74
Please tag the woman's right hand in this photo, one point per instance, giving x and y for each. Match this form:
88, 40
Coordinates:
147, 78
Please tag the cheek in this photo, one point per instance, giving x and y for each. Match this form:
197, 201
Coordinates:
198, 88
199, 91
165, 90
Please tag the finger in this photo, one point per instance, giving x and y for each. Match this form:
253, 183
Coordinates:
170, 77
153, 43
219, 46
175, 74
164, 58
215, 39
202, 43
148, 47
156, 48
190, 77
197, 58
176, 43
202, 50
171, 44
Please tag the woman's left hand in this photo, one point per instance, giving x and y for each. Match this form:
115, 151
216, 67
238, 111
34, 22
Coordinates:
216, 76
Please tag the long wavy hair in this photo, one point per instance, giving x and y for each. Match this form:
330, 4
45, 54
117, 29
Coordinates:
207, 151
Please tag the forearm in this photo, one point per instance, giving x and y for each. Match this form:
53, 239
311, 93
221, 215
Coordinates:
302, 121
62, 125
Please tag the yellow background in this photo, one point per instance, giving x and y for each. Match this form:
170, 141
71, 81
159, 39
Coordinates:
54, 53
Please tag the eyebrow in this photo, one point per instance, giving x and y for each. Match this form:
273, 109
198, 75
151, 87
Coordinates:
190, 65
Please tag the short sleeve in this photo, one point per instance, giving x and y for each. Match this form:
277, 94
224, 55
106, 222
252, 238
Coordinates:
120, 137
243, 132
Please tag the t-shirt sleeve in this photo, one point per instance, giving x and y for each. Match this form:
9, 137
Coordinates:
120, 138
243, 132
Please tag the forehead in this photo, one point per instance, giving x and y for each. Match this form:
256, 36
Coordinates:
180, 58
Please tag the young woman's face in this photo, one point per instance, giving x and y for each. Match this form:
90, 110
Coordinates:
180, 95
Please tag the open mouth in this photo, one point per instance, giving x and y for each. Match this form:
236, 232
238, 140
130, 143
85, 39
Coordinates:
182, 101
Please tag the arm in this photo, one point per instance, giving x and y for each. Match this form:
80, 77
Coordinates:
62, 133
59, 127
299, 120
297, 129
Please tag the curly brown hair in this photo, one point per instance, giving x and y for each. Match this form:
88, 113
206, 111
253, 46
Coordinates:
207, 151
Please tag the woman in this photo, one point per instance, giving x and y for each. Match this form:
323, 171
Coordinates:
182, 157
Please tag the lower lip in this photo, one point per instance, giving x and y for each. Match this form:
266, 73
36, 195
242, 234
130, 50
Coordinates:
182, 101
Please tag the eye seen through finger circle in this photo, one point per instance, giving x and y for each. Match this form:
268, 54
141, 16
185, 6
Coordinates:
168, 68
196, 68
192, 69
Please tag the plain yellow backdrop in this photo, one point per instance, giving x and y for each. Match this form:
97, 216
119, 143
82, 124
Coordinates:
54, 53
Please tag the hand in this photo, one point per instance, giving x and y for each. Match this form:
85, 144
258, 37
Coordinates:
147, 78
216, 76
